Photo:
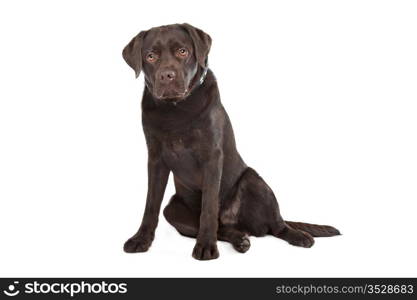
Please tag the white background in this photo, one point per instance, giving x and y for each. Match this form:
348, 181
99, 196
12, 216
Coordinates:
332, 82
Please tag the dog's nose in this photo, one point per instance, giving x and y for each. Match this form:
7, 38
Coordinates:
166, 76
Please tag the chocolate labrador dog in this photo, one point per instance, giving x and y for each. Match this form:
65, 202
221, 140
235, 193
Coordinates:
188, 133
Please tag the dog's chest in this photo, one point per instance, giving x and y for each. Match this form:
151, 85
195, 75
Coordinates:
182, 150
176, 148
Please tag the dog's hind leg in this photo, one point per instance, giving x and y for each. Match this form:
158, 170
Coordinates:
186, 221
238, 239
294, 236
182, 217
259, 212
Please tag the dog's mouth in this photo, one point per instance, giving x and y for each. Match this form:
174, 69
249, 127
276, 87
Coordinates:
170, 95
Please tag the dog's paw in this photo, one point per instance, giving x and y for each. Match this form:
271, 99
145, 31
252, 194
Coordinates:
205, 251
302, 239
242, 244
137, 243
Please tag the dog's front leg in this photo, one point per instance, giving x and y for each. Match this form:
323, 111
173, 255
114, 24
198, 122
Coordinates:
158, 175
206, 247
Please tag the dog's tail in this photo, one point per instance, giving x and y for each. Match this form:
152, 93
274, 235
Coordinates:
314, 230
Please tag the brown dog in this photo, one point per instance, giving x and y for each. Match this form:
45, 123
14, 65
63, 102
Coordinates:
189, 133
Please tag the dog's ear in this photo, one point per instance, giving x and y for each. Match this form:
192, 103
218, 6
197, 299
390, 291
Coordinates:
201, 41
132, 53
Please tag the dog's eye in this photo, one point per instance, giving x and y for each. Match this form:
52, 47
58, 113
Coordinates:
182, 52
151, 57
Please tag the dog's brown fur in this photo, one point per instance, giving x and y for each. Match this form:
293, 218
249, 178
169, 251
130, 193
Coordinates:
189, 133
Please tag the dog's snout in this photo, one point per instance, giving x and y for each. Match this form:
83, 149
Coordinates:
167, 76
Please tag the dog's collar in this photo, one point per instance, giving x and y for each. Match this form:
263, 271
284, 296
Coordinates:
204, 75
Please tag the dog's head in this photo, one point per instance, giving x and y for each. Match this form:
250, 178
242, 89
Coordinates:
172, 58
